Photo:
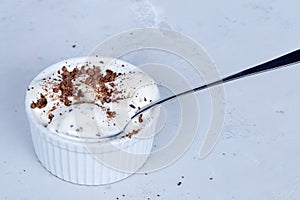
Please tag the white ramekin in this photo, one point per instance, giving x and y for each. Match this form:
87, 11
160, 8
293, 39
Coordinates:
89, 162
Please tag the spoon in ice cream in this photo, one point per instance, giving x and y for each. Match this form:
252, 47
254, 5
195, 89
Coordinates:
280, 62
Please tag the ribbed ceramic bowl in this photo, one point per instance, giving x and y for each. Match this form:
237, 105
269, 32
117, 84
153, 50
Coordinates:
93, 161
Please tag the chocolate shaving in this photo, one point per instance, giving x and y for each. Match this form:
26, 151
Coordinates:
82, 70
129, 135
53, 108
50, 116
41, 103
90, 72
141, 118
97, 81
105, 93
110, 114
33, 105
109, 76
55, 90
67, 102
132, 106
66, 86
80, 93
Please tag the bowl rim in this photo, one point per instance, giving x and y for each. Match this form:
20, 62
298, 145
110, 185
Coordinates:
34, 122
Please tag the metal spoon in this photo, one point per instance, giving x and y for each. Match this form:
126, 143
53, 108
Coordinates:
280, 62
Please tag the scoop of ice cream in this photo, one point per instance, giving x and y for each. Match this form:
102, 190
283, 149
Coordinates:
90, 98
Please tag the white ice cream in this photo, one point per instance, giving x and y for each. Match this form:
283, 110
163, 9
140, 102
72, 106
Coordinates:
87, 116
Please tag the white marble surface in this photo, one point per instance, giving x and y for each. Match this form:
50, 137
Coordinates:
258, 155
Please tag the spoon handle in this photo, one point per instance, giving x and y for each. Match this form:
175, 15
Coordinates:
282, 61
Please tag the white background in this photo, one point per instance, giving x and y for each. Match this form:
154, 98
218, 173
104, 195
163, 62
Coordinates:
258, 155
